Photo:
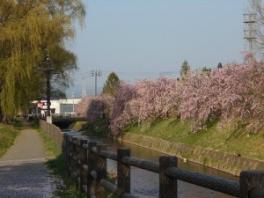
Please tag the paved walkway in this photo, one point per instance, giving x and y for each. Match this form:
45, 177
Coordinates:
22, 170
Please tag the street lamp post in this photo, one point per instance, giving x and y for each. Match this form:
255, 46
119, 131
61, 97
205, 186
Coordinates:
48, 76
48, 70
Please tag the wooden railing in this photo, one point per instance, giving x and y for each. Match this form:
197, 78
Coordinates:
86, 164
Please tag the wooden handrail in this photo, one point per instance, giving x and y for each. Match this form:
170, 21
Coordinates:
251, 183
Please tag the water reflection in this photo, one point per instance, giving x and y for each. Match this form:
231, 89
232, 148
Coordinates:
146, 184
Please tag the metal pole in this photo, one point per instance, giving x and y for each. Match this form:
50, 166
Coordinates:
95, 83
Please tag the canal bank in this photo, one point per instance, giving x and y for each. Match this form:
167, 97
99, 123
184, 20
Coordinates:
226, 150
226, 162
145, 183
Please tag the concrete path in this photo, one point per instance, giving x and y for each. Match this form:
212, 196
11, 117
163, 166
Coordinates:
22, 170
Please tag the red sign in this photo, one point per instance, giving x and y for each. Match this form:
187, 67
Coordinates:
40, 105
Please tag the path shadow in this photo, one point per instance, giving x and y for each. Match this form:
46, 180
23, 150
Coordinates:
27, 180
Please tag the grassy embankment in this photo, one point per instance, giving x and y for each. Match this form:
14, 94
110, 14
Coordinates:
228, 139
232, 139
57, 166
8, 135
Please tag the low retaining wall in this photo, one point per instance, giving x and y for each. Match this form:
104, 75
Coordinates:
53, 132
226, 162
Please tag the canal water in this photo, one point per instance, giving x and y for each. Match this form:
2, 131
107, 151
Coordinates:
145, 184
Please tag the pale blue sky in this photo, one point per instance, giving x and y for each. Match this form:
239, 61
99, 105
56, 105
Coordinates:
144, 38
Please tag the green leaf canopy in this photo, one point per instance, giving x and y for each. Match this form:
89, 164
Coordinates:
28, 28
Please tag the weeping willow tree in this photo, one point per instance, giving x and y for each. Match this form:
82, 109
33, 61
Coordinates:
28, 29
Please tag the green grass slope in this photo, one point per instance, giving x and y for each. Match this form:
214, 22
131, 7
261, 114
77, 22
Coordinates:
57, 165
229, 139
8, 135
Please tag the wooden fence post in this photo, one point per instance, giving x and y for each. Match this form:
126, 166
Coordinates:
64, 145
75, 164
252, 184
123, 172
82, 160
70, 155
75, 161
168, 186
91, 166
101, 173
66, 152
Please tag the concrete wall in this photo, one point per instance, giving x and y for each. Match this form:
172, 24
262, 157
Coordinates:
226, 162
53, 132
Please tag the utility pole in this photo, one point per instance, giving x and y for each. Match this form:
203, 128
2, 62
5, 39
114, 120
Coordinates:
73, 97
84, 90
95, 73
250, 31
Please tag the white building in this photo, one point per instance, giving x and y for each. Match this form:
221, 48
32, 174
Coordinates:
60, 107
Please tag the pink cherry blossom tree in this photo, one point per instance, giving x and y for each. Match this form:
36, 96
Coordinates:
234, 93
